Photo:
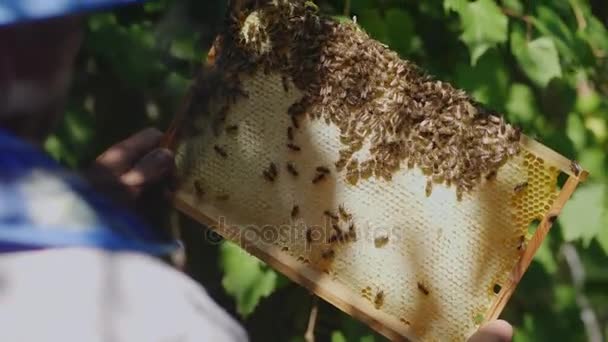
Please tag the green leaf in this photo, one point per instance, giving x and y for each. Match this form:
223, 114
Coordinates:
583, 216
373, 23
575, 130
596, 35
337, 336
484, 26
521, 105
598, 126
602, 236
538, 59
545, 257
185, 47
455, 5
594, 160
487, 81
400, 30
245, 278
514, 5
549, 24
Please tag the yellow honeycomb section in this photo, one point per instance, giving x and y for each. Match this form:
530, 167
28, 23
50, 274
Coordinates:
536, 195
441, 263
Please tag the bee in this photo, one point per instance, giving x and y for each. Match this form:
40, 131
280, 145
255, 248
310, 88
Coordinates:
311, 6
272, 168
285, 83
520, 187
341, 163
295, 211
319, 177
379, 299
521, 244
491, 176
268, 176
352, 232
352, 172
344, 215
423, 289
294, 147
291, 168
575, 168
328, 254
334, 238
322, 169
294, 122
331, 215
198, 188
222, 197
552, 219
336, 227
381, 240
232, 129
308, 235
220, 151
290, 133
429, 188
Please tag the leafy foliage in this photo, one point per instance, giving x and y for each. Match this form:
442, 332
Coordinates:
544, 64
245, 278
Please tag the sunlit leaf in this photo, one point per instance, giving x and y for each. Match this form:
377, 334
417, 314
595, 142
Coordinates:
602, 236
456, 5
538, 59
583, 216
483, 24
545, 257
594, 160
550, 24
514, 5
575, 130
521, 105
337, 336
245, 278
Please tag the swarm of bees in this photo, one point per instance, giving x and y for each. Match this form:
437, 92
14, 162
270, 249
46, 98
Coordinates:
370, 94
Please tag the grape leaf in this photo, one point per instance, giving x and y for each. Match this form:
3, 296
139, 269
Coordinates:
487, 81
538, 59
245, 278
521, 105
602, 236
575, 130
514, 5
583, 217
484, 25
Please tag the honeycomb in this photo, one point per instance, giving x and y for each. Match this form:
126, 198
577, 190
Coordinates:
413, 258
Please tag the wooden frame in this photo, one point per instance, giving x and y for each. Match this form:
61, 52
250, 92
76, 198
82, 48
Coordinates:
341, 297
336, 293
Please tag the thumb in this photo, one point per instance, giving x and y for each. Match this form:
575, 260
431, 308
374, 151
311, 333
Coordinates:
495, 331
151, 168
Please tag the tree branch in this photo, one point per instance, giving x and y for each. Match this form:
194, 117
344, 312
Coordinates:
309, 336
577, 272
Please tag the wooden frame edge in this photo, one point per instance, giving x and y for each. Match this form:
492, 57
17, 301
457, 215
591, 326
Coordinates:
313, 280
552, 157
533, 245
